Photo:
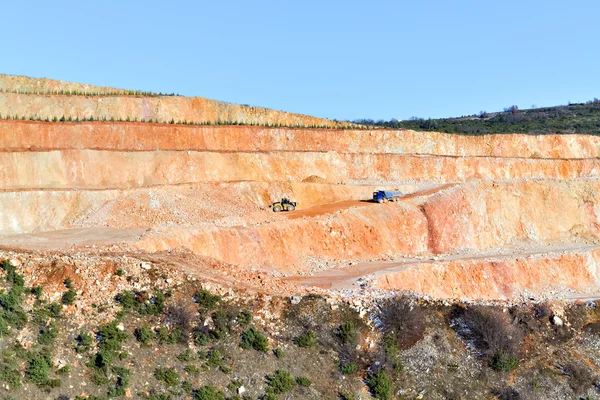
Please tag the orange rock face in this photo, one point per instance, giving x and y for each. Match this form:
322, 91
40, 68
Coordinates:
502, 279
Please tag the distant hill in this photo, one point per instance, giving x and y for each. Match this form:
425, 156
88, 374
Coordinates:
583, 118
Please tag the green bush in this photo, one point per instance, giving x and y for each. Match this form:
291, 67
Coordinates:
64, 370
502, 361
127, 299
68, 283
348, 333
201, 338
144, 335
234, 385
206, 301
254, 339
380, 385
110, 340
348, 368
168, 336
55, 309
221, 320
84, 342
209, 393
123, 377
303, 381
48, 334
141, 302
186, 356
168, 376
36, 291
215, 358
68, 297
192, 370
244, 318
278, 353
280, 382
306, 340
9, 370
38, 368
187, 386
12, 276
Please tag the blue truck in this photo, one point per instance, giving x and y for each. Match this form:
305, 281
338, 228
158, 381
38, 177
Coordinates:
383, 196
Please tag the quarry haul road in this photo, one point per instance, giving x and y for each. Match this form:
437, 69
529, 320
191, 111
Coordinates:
342, 205
347, 277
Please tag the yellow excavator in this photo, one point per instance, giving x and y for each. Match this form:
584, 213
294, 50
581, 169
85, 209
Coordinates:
283, 205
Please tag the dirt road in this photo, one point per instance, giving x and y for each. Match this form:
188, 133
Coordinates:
342, 205
347, 277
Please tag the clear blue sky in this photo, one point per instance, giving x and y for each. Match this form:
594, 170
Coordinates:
335, 59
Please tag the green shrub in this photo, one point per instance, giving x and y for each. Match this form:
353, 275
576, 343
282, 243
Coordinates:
144, 335
168, 376
9, 370
141, 302
55, 309
380, 385
68, 297
278, 353
4, 327
201, 338
215, 358
12, 276
127, 299
68, 283
303, 381
221, 320
187, 386
192, 370
348, 368
119, 272
110, 340
209, 393
64, 370
36, 291
84, 342
186, 356
280, 382
168, 336
348, 333
48, 334
234, 385
123, 377
206, 301
244, 318
502, 361
38, 368
110, 336
306, 340
254, 339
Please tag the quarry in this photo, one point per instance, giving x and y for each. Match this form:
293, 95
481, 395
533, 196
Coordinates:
95, 180
480, 212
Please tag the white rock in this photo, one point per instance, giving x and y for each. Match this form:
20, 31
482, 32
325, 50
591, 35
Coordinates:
15, 262
241, 390
295, 299
556, 320
145, 265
